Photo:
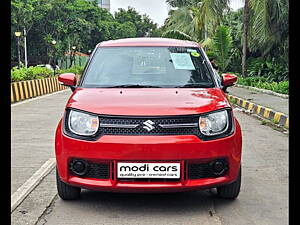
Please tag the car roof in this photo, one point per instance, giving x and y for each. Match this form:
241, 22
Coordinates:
145, 41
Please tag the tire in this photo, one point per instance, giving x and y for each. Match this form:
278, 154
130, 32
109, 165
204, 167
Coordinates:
231, 191
65, 191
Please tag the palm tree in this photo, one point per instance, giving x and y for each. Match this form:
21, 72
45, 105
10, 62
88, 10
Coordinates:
266, 21
181, 24
269, 24
197, 19
265, 26
179, 3
245, 38
221, 46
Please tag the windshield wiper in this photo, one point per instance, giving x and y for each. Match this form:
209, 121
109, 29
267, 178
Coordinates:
200, 85
134, 86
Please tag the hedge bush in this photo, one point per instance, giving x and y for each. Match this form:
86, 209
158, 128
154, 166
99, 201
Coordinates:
29, 73
281, 87
36, 72
74, 69
272, 69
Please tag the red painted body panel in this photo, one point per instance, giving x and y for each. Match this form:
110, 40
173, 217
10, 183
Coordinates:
68, 79
148, 101
228, 79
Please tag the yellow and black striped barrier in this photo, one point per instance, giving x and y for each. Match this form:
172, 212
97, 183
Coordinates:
23, 90
267, 113
32, 88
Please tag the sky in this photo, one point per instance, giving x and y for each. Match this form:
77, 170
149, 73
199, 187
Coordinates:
157, 10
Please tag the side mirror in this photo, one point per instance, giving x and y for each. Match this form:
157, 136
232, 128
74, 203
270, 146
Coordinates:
68, 79
228, 80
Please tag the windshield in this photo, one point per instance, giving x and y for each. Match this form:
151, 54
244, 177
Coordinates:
147, 67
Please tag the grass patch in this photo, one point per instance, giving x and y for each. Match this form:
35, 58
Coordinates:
274, 121
264, 122
233, 100
281, 87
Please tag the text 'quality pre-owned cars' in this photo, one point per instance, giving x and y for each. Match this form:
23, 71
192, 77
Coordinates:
148, 115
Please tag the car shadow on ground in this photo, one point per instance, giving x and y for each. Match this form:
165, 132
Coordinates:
169, 203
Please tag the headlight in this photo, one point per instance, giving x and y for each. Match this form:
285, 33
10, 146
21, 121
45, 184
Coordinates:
82, 123
214, 123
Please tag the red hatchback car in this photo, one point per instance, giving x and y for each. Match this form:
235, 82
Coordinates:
148, 115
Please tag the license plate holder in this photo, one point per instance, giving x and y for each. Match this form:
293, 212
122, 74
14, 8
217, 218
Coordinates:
148, 170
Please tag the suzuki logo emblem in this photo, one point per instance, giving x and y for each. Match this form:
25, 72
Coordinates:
149, 125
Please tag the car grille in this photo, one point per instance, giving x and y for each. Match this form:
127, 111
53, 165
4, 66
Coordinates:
198, 171
183, 125
100, 171
96, 170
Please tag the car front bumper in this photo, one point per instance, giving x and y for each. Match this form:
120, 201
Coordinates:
111, 149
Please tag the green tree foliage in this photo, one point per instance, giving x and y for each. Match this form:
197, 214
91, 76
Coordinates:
268, 45
270, 69
79, 23
111, 30
269, 24
178, 35
181, 24
234, 20
157, 32
222, 47
143, 24
179, 3
196, 18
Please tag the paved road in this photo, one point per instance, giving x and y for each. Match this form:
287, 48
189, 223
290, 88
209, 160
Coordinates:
270, 101
263, 199
33, 125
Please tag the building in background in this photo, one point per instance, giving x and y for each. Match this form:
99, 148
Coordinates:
105, 4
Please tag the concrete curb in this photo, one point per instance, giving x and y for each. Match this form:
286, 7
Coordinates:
267, 113
23, 90
31, 183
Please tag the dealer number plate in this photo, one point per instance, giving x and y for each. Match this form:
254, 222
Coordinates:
148, 170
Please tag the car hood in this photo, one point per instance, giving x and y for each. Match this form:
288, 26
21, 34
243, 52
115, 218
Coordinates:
148, 101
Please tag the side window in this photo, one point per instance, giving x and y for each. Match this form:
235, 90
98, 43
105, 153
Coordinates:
215, 74
218, 77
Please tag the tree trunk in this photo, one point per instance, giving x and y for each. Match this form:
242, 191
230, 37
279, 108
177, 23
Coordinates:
245, 38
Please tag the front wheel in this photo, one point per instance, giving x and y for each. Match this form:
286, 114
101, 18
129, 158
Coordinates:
231, 191
65, 191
